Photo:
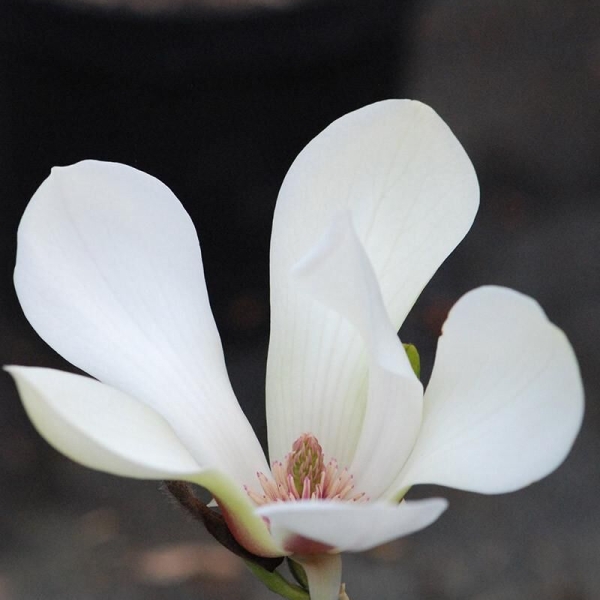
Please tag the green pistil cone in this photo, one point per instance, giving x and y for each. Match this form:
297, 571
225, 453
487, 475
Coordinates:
306, 461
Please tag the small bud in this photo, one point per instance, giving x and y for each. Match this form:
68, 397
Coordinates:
414, 358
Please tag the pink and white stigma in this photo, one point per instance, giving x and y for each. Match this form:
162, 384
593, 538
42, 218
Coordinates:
303, 475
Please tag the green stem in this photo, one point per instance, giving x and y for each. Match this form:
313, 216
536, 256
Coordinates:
276, 583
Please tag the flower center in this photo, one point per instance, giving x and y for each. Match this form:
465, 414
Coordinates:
305, 462
303, 475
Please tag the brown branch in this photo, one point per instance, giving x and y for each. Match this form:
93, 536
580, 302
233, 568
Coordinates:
215, 524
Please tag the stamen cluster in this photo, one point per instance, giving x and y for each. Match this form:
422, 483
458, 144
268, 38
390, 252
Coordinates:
303, 475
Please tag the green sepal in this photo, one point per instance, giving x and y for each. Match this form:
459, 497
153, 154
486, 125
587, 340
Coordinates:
414, 358
297, 570
277, 583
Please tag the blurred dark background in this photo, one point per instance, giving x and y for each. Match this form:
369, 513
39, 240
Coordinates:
216, 99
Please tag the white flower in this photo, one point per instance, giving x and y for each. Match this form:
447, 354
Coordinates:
109, 273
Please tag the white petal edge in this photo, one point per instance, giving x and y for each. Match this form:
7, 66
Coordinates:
505, 400
413, 194
100, 427
109, 273
104, 429
350, 527
337, 272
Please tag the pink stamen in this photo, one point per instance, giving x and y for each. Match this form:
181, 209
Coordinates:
303, 475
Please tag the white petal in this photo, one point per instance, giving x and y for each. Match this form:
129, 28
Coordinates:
413, 195
505, 401
338, 273
101, 427
349, 527
109, 273
105, 429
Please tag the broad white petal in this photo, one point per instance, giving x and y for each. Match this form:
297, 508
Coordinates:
505, 400
109, 273
338, 273
348, 527
413, 194
105, 429
101, 427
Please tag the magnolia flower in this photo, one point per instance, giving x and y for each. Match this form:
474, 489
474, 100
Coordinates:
109, 273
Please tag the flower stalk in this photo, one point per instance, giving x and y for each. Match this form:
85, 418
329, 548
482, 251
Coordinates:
215, 525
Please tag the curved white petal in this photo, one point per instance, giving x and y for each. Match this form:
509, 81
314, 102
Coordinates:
338, 273
101, 427
413, 194
505, 400
348, 527
105, 429
109, 273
